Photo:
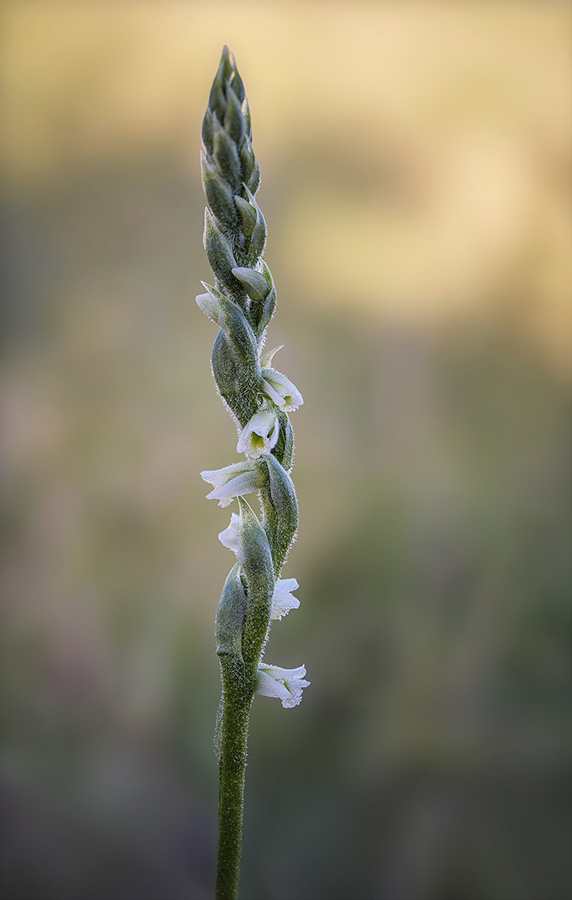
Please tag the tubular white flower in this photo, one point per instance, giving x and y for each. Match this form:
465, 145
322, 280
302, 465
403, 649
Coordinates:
286, 684
281, 390
233, 481
283, 600
260, 434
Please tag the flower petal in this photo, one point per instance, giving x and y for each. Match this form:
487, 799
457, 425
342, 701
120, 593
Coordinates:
288, 683
217, 477
283, 600
281, 390
260, 434
242, 484
230, 536
233, 481
267, 686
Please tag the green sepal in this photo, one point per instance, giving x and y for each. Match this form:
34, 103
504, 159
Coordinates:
230, 616
219, 195
258, 569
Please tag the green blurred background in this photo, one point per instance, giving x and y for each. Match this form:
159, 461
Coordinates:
416, 163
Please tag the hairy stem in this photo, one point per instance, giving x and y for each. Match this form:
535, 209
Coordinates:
237, 700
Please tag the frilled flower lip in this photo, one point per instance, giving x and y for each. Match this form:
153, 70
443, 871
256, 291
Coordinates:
286, 684
283, 600
233, 481
281, 390
230, 537
260, 434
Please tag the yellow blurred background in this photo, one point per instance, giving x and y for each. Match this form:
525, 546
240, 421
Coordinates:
416, 161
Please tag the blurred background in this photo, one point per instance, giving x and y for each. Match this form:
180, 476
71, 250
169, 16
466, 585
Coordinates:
416, 163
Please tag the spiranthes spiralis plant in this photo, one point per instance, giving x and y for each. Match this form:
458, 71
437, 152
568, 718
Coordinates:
241, 303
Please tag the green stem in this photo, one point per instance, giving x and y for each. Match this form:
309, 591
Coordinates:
237, 700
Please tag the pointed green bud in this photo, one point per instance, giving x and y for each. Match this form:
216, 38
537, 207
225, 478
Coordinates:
257, 238
234, 123
217, 101
257, 559
236, 382
282, 514
238, 332
219, 194
261, 313
248, 119
227, 64
258, 568
250, 170
257, 284
226, 157
247, 214
208, 132
230, 616
237, 85
219, 252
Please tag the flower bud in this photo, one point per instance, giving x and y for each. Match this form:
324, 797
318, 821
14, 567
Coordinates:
226, 157
248, 214
257, 284
282, 516
230, 615
258, 568
234, 123
219, 194
219, 251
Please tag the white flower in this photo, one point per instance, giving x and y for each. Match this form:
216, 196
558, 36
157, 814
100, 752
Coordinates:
260, 434
230, 537
233, 481
282, 600
281, 390
287, 684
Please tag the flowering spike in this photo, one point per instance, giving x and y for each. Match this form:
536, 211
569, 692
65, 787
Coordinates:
241, 304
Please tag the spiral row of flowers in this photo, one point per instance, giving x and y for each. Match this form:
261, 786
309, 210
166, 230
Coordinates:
241, 303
